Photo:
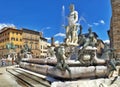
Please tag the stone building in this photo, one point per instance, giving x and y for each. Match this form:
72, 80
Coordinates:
19, 37
114, 31
10, 35
31, 38
43, 47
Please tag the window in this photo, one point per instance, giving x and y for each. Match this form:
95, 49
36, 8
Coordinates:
13, 39
26, 42
16, 39
41, 46
17, 46
20, 39
20, 46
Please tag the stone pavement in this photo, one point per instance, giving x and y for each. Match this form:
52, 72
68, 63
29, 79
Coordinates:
6, 80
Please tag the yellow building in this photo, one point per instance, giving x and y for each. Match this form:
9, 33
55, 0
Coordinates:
34, 39
43, 47
10, 35
31, 38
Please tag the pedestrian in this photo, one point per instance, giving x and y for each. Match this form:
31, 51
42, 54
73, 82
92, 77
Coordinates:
3, 61
12, 61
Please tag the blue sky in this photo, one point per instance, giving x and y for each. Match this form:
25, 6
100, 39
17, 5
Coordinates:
48, 16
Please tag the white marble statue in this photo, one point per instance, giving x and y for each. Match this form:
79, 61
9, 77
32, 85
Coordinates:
72, 28
73, 16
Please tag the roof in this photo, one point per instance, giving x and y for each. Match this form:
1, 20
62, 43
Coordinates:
9, 28
30, 31
43, 38
100, 41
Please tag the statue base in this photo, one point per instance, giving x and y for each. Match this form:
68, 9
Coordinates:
48, 67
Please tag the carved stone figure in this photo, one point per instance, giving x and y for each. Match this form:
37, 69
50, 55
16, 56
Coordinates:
72, 28
73, 16
60, 55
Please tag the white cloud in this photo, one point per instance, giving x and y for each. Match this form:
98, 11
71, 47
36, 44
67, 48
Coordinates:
48, 28
89, 25
57, 42
44, 28
2, 25
96, 24
102, 21
48, 38
99, 22
59, 34
107, 41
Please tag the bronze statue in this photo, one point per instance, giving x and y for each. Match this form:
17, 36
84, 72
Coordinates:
10, 46
26, 48
26, 51
86, 41
60, 55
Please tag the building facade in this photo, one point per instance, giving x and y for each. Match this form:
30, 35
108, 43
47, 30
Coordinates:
114, 32
10, 35
31, 38
43, 47
19, 38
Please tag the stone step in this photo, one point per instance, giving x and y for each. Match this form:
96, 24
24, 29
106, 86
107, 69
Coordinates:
29, 78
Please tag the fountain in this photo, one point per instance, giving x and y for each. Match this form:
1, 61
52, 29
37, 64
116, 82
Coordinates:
76, 58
